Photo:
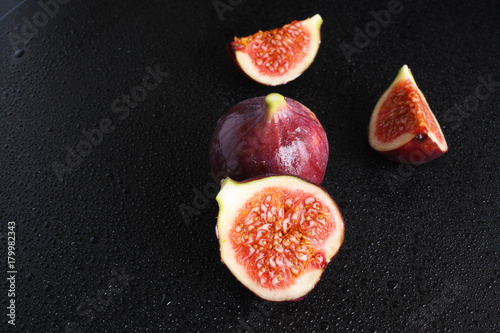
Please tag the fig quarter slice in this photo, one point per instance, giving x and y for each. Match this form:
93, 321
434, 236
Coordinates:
280, 55
403, 127
277, 234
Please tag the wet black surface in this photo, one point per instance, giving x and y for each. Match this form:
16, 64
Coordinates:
101, 242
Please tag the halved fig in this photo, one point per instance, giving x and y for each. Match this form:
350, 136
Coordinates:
280, 55
269, 135
403, 127
277, 234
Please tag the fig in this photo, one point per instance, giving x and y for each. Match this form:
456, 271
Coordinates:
280, 55
269, 135
277, 234
403, 127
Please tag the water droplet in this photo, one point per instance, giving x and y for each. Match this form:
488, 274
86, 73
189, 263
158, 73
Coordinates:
18, 53
392, 284
163, 299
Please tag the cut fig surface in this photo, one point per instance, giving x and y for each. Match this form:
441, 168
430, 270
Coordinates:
269, 135
403, 127
277, 234
280, 55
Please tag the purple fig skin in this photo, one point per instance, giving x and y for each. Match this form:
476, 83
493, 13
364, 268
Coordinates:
418, 151
250, 141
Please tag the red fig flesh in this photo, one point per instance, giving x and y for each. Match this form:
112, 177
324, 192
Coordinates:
280, 55
403, 127
277, 234
269, 135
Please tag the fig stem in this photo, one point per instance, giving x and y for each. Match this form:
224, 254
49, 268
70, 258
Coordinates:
274, 102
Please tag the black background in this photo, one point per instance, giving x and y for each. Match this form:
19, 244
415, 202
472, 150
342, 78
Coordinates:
107, 249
